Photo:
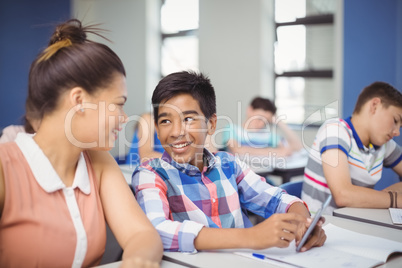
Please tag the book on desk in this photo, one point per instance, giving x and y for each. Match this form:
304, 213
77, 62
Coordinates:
342, 248
369, 215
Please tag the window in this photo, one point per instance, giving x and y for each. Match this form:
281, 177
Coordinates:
304, 58
179, 25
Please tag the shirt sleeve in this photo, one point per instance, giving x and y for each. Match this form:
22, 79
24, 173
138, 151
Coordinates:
333, 135
259, 197
151, 193
393, 154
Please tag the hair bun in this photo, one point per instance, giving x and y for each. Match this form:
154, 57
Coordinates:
72, 30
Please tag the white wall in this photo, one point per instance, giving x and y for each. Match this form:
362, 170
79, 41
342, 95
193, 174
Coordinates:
236, 40
133, 27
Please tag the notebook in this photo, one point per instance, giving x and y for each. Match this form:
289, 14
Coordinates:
343, 248
396, 215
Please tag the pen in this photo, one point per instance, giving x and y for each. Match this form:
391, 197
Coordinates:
262, 257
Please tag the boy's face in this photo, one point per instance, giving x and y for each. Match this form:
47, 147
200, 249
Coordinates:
386, 124
258, 118
182, 129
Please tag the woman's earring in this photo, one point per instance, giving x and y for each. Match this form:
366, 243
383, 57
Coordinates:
80, 108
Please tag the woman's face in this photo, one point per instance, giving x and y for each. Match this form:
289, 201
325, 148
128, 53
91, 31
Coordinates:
102, 116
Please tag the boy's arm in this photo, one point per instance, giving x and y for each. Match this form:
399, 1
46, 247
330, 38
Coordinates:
291, 137
150, 191
276, 231
336, 171
397, 186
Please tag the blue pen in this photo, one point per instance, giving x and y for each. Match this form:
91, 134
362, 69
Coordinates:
262, 257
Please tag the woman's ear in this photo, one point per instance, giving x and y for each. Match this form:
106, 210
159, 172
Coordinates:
77, 97
212, 124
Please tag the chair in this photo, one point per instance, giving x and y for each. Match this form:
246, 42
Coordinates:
293, 187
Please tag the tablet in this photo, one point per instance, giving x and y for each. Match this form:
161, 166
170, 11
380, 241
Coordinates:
314, 223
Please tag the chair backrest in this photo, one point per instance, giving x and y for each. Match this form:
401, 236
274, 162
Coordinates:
293, 188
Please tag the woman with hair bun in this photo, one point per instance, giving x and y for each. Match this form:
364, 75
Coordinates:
58, 186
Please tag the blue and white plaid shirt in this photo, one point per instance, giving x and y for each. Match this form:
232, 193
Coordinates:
180, 200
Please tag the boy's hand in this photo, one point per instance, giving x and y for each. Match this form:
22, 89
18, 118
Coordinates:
316, 238
278, 230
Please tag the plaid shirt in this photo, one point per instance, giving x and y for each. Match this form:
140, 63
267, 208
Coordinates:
180, 200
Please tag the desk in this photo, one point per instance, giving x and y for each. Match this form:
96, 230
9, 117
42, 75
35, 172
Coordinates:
164, 264
369, 215
226, 259
284, 167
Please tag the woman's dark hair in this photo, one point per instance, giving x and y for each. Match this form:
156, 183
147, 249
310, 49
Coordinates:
197, 85
264, 104
70, 60
387, 93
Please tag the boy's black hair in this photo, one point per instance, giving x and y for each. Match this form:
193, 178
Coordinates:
387, 93
265, 104
195, 84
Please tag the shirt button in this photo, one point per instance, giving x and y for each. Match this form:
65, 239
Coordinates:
213, 200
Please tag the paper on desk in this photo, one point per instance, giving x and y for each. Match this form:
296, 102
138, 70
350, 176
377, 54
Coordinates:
343, 248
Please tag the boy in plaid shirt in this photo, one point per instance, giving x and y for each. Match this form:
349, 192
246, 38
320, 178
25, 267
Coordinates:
198, 200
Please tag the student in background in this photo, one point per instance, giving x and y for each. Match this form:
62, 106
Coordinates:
146, 144
198, 200
261, 133
348, 156
58, 186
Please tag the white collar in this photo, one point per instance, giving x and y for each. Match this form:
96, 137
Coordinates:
43, 170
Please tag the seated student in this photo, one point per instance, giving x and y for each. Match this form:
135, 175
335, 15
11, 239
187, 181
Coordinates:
198, 200
58, 186
347, 156
146, 146
260, 133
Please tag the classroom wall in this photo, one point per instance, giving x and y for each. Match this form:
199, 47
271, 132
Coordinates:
134, 29
372, 45
25, 28
236, 48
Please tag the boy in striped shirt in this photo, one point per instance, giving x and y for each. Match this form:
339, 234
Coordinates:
198, 200
347, 156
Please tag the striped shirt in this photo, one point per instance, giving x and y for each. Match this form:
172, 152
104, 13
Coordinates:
365, 164
180, 200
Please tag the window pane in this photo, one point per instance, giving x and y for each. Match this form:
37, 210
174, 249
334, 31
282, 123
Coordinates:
290, 49
179, 15
298, 98
289, 98
179, 53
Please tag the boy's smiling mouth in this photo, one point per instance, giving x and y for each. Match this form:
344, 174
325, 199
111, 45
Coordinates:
180, 145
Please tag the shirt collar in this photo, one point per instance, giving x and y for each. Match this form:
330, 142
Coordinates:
357, 138
187, 168
43, 170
